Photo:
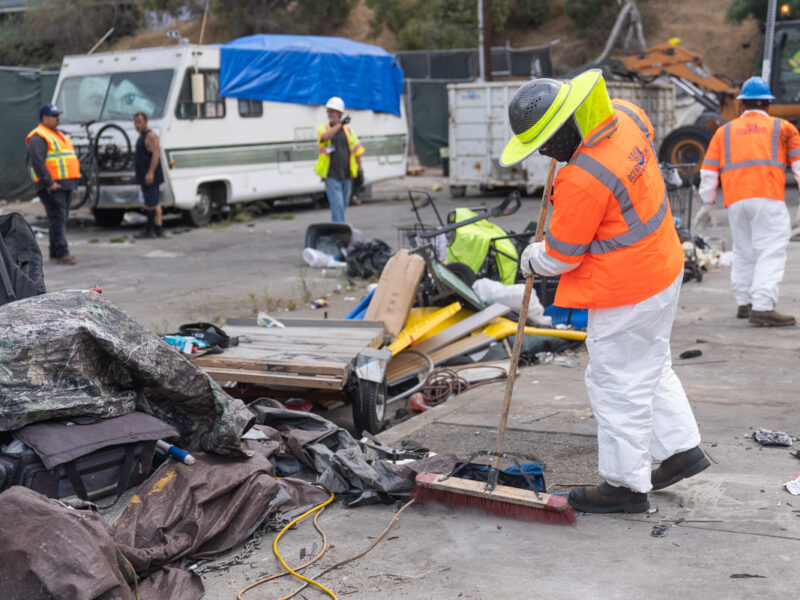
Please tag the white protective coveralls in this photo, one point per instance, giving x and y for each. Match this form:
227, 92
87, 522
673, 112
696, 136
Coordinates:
641, 408
760, 229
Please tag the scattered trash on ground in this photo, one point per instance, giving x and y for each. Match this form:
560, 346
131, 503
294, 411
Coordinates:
690, 354
659, 531
770, 437
793, 486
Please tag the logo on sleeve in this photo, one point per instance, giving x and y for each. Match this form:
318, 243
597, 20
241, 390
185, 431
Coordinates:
640, 158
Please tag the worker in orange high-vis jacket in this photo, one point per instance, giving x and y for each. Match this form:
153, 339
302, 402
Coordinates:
55, 171
612, 240
749, 155
339, 160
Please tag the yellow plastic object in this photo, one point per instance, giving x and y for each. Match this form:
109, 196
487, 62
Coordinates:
419, 314
411, 334
500, 328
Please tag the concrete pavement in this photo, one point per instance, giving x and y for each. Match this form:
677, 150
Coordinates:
731, 531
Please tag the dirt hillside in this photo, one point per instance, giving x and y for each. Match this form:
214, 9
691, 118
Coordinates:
700, 24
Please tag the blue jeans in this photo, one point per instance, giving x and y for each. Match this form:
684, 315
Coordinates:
338, 191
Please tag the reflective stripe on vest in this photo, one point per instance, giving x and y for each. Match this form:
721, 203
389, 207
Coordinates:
760, 162
601, 133
639, 123
61, 161
637, 230
793, 153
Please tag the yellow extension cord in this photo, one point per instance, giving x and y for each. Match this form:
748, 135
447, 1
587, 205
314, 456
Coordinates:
283, 562
308, 581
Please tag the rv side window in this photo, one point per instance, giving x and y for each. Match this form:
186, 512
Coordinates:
212, 108
250, 108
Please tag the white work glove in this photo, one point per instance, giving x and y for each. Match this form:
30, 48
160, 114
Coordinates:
703, 218
525, 259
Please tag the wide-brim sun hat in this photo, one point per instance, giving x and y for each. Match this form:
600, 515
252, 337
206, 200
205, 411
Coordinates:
532, 128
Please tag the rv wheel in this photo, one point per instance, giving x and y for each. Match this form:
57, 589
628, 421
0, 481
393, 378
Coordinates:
200, 215
108, 217
458, 191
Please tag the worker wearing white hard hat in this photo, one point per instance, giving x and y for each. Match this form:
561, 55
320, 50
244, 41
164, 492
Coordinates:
339, 160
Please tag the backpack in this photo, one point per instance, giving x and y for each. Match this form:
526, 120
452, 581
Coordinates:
21, 273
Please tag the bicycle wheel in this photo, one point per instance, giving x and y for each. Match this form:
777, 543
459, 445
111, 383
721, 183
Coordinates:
88, 185
113, 149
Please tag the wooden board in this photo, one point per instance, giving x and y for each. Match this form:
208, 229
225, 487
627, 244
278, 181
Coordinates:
280, 379
314, 356
406, 364
462, 328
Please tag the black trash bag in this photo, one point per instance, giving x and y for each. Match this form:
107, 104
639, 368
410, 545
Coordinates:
367, 258
21, 273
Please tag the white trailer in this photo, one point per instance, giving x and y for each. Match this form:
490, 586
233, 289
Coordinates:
215, 151
479, 130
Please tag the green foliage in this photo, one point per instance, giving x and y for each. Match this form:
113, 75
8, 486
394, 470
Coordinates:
49, 29
530, 12
247, 17
739, 10
425, 24
584, 13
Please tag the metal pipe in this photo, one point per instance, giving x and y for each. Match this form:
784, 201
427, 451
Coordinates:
481, 60
422, 381
101, 40
769, 41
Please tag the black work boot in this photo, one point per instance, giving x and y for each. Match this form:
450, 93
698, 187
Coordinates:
149, 230
743, 311
679, 466
605, 498
159, 231
770, 318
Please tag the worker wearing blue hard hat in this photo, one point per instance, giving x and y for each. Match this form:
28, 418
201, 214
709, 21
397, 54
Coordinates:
755, 88
749, 156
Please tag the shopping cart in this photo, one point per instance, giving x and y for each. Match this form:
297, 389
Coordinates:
681, 193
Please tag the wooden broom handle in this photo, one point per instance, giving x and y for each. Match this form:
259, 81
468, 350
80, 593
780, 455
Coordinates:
523, 315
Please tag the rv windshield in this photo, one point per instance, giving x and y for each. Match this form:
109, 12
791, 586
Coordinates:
115, 96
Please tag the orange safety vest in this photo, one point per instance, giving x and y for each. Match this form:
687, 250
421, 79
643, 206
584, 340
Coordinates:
324, 158
61, 160
751, 153
611, 214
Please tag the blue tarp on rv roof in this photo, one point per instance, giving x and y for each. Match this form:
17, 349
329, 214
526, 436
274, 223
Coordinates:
308, 69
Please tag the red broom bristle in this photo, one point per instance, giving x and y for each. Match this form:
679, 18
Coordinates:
494, 506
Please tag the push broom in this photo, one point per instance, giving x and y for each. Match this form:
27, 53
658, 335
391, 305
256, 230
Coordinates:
506, 501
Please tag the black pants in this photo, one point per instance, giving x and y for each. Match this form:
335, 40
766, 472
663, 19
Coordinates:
56, 205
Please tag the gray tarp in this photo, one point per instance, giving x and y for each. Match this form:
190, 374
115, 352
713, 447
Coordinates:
341, 466
73, 353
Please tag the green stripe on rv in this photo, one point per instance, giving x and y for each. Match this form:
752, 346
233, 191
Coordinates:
259, 154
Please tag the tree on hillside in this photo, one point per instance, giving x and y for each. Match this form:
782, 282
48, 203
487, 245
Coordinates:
49, 29
584, 13
247, 17
425, 24
739, 10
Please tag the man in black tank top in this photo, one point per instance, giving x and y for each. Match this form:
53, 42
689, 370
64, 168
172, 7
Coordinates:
147, 165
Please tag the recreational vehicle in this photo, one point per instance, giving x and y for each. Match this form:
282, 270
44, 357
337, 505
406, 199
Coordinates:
216, 149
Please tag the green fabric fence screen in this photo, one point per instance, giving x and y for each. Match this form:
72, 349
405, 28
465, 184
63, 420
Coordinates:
429, 116
22, 92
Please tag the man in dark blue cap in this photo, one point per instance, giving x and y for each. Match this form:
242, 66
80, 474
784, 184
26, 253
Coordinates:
55, 170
